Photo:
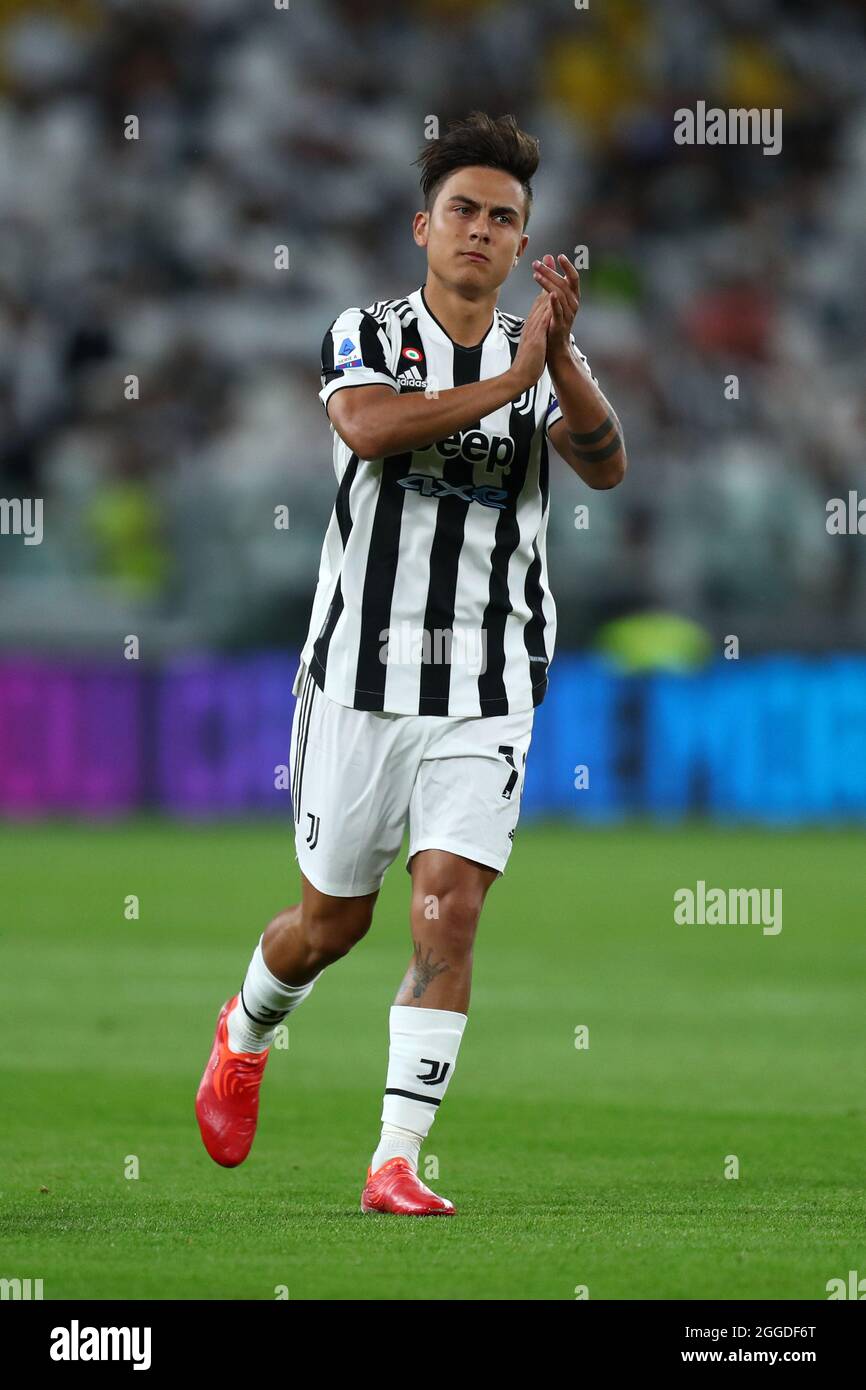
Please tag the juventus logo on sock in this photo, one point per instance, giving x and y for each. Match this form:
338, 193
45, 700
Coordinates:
437, 1073
273, 1016
313, 836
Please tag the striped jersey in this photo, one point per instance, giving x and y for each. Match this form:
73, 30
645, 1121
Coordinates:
432, 594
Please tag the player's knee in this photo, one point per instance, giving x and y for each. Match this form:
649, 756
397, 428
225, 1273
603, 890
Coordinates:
332, 933
449, 918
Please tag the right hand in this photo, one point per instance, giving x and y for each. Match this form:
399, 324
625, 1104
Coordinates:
531, 352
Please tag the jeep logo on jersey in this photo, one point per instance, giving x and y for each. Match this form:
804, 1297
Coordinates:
429, 486
493, 450
410, 377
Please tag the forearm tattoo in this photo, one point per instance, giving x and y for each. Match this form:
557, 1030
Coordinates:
581, 443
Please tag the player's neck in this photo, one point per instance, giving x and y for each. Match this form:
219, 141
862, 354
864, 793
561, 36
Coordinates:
466, 321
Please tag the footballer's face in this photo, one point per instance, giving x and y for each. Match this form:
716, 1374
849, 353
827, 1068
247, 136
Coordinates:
474, 231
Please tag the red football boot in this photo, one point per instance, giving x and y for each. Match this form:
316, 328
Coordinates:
227, 1102
396, 1187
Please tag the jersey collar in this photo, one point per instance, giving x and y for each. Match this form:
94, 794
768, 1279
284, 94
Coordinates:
436, 329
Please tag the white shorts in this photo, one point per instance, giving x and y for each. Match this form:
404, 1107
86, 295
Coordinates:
356, 775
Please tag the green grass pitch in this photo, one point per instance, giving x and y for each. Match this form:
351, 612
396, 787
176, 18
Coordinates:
602, 1167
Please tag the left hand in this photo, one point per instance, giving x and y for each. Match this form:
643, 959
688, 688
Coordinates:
564, 290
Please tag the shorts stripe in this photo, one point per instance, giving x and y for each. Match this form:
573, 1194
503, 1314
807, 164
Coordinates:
307, 696
301, 700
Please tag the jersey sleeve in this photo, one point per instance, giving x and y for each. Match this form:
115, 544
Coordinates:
355, 352
553, 411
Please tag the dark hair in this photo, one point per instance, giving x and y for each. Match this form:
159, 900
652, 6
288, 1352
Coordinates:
478, 139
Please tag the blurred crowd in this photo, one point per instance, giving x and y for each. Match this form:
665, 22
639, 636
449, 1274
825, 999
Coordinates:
159, 373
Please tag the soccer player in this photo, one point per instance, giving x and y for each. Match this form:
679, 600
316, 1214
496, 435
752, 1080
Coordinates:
431, 635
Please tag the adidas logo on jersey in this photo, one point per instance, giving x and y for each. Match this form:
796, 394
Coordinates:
411, 377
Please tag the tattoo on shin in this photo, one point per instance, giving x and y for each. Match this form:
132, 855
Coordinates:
421, 972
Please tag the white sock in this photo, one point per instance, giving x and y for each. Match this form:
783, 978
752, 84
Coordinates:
423, 1051
396, 1142
263, 1004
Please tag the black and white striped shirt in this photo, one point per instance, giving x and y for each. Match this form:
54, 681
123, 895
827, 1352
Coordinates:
433, 594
